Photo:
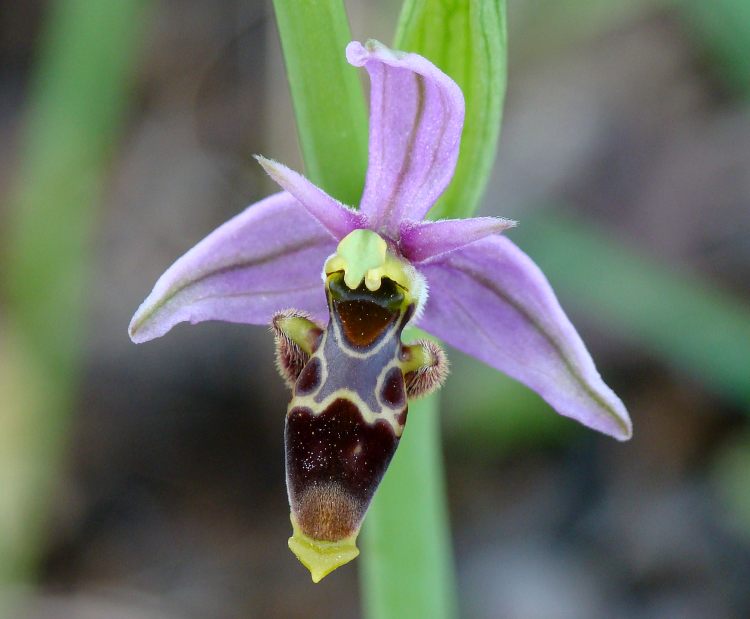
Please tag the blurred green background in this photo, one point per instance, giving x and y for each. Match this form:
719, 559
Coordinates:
148, 481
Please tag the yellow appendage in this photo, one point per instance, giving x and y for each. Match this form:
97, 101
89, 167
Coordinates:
364, 255
321, 557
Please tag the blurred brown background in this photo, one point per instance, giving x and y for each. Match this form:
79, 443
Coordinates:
170, 498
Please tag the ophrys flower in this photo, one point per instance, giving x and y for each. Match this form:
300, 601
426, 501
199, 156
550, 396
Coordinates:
340, 347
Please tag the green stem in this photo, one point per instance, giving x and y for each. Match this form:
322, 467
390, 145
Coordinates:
407, 563
78, 98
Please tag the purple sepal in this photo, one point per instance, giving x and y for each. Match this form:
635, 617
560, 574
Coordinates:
266, 259
425, 240
491, 301
416, 118
338, 219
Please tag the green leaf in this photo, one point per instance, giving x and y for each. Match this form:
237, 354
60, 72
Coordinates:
467, 40
723, 27
79, 95
326, 93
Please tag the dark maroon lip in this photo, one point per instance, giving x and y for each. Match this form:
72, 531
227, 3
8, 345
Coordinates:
334, 462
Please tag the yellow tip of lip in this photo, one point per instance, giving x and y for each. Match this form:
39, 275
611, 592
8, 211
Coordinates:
322, 557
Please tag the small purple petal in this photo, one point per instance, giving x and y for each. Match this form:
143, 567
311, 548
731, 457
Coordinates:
491, 301
424, 240
266, 259
416, 118
333, 216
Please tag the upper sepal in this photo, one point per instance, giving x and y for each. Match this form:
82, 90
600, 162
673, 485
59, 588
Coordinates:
264, 260
416, 118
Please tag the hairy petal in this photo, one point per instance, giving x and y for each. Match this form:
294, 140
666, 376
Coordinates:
332, 215
491, 301
416, 117
267, 258
424, 240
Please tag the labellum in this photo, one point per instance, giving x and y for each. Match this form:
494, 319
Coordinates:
351, 382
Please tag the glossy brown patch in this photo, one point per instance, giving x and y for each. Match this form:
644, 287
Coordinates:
310, 377
362, 321
364, 314
334, 463
393, 391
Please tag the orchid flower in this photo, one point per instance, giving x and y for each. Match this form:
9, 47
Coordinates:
339, 340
